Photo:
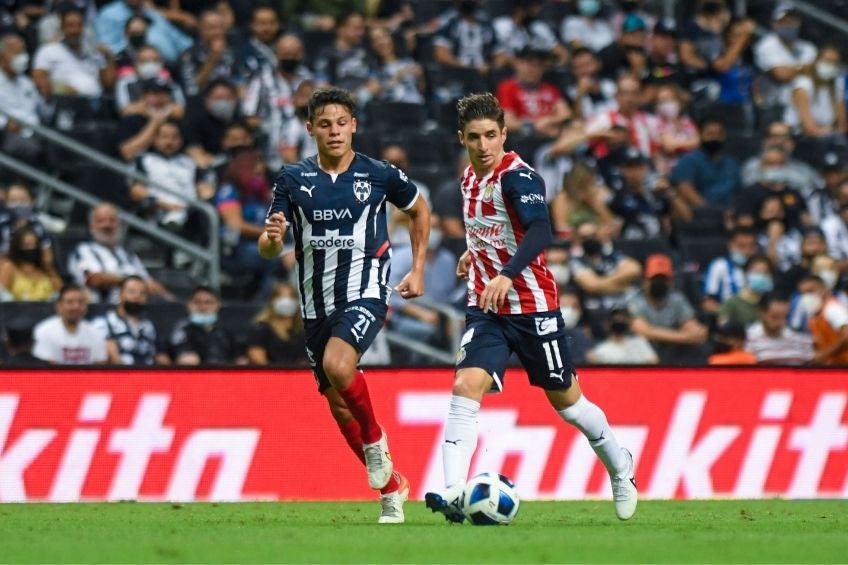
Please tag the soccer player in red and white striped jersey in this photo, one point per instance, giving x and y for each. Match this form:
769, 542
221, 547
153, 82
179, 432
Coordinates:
512, 307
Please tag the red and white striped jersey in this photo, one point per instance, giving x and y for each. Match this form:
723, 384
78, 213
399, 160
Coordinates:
496, 209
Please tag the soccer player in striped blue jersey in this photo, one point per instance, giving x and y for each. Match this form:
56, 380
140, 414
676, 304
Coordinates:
335, 202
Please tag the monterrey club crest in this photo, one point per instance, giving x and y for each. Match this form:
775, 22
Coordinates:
362, 190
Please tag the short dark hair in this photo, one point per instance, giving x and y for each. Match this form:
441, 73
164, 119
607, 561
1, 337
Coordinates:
69, 287
759, 258
220, 81
66, 8
708, 120
582, 51
126, 280
202, 288
743, 230
769, 298
332, 95
480, 106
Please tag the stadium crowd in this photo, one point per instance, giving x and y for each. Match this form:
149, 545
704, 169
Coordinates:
696, 168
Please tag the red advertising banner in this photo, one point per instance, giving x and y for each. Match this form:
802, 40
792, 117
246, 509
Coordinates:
251, 435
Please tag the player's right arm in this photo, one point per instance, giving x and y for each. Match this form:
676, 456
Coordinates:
270, 242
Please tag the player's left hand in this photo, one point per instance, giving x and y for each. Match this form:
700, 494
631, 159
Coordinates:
494, 294
411, 285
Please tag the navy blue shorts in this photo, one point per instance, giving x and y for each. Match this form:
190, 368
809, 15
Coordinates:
357, 323
539, 341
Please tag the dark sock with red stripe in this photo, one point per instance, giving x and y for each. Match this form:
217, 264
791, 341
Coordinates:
359, 403
353, 437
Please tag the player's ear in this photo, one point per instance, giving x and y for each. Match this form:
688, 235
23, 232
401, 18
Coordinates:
461, 138
353, 124
503, 133
309, 128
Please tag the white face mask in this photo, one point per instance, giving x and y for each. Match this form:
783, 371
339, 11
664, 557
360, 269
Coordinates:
827, 70
668, 109
285, 306
561, 273
149, 69
19, 63
810, 303
570, 315
830, 278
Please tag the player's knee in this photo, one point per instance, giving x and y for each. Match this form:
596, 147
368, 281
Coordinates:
338, 370
472, 386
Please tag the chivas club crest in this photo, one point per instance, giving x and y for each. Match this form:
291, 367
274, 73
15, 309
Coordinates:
488, 191
362, 190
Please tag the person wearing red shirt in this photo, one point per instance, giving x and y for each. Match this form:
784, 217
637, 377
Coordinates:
532, 106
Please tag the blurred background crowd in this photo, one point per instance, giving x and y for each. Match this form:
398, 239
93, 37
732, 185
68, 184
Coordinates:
694, 155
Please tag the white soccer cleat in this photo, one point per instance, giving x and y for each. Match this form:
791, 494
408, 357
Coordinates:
392, 504
624, 493
378, 462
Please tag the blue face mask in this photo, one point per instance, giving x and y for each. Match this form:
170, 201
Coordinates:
738, 258
589, 7
760, 282
203, 318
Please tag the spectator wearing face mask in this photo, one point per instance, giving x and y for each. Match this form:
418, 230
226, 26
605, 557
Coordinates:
20, 215
664, 316
130, 336
200, 339
816, 107
208, 121
743, 308
579, 336
135, 34
23, 276
524, 28
725, 276
622, 347
828, 322
729, 346
417, 321
587, 28
19, 96
276, 336
678, 133
826, 268
604, 276
707, 175
778, 238
781, 53
268, 103
772, 341
129, 90
799, 174
773, 183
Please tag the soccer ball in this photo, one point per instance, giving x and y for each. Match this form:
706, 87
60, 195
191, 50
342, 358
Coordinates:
489, 499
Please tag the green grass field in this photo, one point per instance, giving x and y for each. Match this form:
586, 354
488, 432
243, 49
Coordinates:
769, 531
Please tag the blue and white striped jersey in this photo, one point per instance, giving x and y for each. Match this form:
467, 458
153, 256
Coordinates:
340, 232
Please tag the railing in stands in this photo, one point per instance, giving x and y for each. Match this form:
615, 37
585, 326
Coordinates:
210, 256
822, 16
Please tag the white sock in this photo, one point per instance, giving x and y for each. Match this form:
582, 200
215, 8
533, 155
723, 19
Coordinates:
460, 439
591, 420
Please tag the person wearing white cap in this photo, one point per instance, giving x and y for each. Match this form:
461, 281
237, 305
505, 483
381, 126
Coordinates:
782, 54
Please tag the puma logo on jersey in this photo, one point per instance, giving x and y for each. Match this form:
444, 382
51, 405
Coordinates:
308, 190
527, 174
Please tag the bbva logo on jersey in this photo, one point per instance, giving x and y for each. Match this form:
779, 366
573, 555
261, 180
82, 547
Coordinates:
362, 190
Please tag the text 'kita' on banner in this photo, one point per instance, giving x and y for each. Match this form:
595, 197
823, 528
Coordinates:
230, 435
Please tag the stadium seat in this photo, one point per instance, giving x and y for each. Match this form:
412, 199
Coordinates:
706, 221
390, 116
697, 252
735, 117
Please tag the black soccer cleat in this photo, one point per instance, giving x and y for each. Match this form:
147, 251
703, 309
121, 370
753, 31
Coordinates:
437, 503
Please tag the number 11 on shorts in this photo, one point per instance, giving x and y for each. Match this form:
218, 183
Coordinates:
552, 354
